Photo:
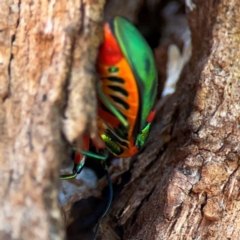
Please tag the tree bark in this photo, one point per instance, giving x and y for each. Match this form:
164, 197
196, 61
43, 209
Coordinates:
48, 51
185, 185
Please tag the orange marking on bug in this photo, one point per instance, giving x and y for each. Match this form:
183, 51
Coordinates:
86, 142
78, 156
151, 116
109, 52
134, 150
130, 85
109, 118
130, 150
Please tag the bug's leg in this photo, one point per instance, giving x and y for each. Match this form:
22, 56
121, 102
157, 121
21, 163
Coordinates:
115, 112
78, 165
79, 162
110, 197
103, 156
100, 156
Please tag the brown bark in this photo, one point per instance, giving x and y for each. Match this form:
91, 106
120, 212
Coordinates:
185, 185
47, 55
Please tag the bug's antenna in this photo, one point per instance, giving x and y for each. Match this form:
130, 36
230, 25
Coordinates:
110, 197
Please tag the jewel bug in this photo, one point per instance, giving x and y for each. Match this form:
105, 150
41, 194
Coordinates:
126, 91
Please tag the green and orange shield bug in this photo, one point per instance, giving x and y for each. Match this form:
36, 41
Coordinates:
127, 90
128, 82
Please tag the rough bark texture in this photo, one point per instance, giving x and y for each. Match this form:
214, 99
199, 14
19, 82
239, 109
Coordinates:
185, 185
47, 55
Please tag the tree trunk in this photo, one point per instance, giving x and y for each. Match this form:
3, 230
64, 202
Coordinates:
185, 185
47, 56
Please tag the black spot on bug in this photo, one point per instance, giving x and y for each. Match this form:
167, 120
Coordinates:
147, 65
119, 89
115, 139
116, 79
120, 101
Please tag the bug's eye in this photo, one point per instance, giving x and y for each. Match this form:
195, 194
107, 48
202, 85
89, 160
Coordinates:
113, 69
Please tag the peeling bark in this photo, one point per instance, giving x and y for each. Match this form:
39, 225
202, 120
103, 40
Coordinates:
47, 56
